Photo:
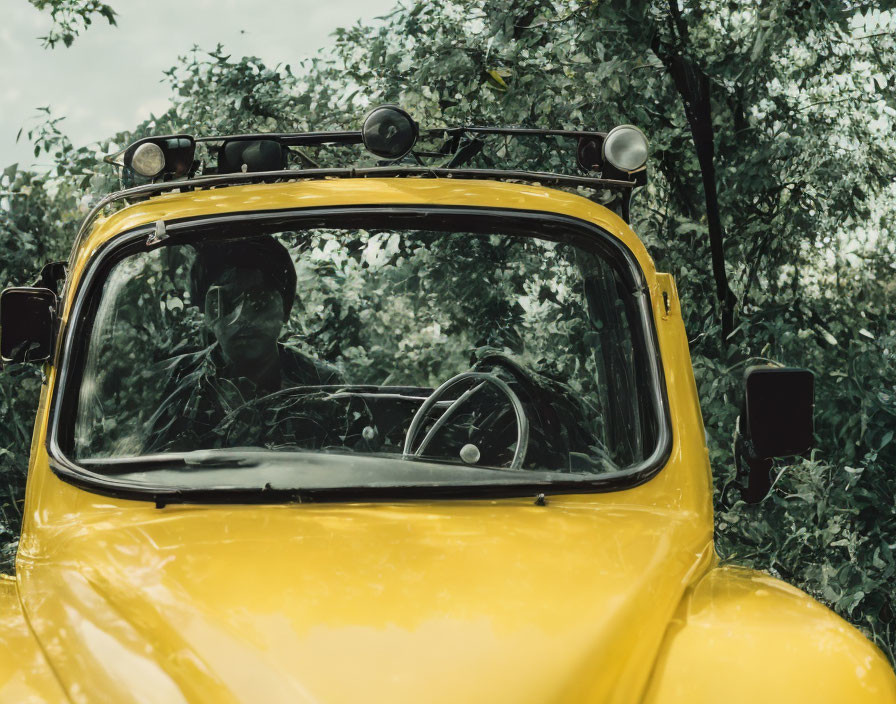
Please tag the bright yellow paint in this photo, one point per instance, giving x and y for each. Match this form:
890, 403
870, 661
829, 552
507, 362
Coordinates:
592, 598
742, 637
25, 676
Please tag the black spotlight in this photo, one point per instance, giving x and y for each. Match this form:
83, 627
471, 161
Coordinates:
251, 155
590, 153
389, 132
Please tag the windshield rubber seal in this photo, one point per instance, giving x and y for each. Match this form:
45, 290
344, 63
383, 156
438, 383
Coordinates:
552, 226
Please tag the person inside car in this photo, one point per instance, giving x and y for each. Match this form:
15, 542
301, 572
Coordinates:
246, 290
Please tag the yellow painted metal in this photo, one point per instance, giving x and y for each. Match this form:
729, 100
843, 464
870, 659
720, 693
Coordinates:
436, 601
338, 192
743, 637
25, 675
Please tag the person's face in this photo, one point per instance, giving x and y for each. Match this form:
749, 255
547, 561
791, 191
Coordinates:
246, 316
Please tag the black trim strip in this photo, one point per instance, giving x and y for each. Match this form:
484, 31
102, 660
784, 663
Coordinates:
564, 228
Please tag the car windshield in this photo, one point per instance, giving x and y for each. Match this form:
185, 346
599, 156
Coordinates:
493, 351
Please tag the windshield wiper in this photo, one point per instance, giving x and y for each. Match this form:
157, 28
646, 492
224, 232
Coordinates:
206, 459
239, 457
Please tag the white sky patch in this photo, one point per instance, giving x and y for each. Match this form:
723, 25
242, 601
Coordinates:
150, 107
111, 78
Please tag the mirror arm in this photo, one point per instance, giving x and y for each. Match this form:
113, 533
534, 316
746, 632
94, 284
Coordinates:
758, 470
51, 276
759, 482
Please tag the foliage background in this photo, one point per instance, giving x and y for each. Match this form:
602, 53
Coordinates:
771, 201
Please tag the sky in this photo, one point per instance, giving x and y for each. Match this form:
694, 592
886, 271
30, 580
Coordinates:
110, 79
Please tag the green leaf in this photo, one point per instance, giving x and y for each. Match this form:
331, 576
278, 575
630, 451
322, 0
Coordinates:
496, 78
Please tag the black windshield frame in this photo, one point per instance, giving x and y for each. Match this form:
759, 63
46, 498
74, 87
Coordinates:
543, 225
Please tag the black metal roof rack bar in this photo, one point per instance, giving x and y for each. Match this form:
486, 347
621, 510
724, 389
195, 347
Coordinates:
354, 136
293, 138
516, 131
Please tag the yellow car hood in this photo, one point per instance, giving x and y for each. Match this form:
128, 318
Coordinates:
435, 602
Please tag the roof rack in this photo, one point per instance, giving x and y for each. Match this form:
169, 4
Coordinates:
389, 133
167, 163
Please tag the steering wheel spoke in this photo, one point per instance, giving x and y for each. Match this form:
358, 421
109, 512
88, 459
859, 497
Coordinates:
484, 379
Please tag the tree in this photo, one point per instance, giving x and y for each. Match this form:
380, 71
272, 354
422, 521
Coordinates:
71, 17
758, 89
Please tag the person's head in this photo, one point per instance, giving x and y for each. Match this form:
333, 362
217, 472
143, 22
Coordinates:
246, 289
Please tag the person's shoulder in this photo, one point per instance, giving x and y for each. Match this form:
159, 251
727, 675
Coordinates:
300, 369
184, 400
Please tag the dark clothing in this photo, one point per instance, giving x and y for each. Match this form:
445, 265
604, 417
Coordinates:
199, 401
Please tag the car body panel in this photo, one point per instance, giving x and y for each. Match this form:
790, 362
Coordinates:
472, 600
742, 636
677, 486
422, 601
25, 675
357, 192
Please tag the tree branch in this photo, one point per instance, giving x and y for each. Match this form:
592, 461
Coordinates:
693, 87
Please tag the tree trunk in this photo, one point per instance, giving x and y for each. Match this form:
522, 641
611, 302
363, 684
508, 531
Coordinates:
694, 88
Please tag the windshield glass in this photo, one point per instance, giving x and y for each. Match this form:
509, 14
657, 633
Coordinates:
494, 350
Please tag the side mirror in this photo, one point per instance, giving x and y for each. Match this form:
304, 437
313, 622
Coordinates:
779, 410
777, 421
27, 324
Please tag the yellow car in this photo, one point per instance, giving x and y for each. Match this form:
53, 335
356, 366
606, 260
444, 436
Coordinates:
408, 431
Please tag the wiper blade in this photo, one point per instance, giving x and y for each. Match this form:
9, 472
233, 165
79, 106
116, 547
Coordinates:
206, 459
223, 458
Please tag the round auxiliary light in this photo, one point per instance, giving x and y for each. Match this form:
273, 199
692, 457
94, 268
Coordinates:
625, 147
389, 132
148, 159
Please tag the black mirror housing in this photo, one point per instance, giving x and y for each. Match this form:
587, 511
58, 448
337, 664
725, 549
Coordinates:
27, 324
779, 410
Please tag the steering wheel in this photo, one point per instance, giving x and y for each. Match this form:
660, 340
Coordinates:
522, 422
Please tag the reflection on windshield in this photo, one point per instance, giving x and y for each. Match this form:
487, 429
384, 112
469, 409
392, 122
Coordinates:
342, 340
